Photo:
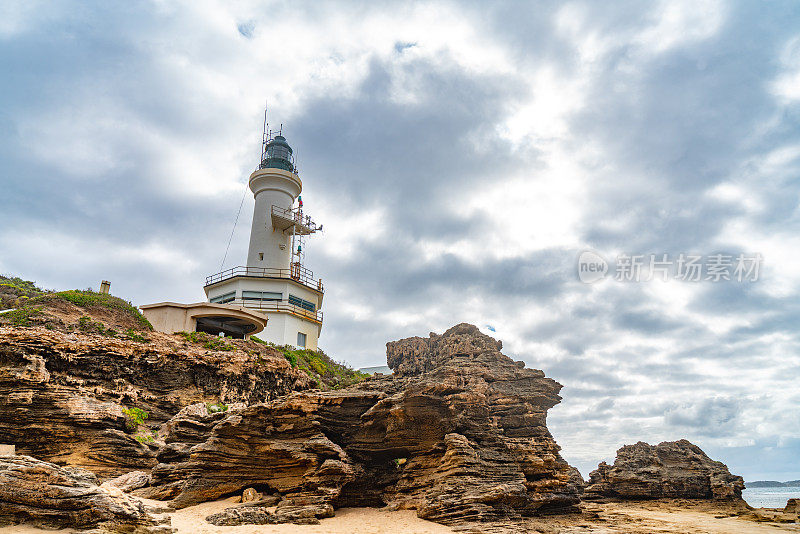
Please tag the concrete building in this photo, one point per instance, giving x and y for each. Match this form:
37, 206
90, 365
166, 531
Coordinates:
275, 282
171, 317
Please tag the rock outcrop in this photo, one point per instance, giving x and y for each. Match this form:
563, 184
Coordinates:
62, 395
284, 447
46, 495
672, 469
458, 433
470, 424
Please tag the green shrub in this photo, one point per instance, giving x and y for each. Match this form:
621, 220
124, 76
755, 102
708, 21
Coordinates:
87, 326
134, 417
319, 367
15, 292
88, 298
22, 316
25, 286
133, 335
207, 341
143, 437
217, 407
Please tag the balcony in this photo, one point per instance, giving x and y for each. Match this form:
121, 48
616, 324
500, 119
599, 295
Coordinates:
292, 221
298, 273
281, 306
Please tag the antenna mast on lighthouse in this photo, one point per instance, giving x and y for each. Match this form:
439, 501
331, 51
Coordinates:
264, 133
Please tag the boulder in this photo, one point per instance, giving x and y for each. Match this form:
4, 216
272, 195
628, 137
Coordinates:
261, 515
250, 495
46, 495
672, 469
130, 481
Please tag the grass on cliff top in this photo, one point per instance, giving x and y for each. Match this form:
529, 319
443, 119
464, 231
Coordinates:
207, 341
87, 298
32, 302
321, 368
15, 292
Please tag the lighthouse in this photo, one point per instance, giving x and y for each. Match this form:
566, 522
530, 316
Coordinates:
275, 281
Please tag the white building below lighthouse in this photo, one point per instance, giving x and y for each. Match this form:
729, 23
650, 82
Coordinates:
275, 282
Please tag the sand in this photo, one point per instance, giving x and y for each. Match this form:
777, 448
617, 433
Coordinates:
614, 518
656, 517
347, 521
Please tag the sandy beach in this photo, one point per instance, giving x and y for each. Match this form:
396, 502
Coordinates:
617, 518
347, 520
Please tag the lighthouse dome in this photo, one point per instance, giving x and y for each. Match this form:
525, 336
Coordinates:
278, 155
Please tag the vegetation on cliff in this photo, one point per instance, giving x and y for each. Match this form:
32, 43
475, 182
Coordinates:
323, 371
15, 291
327, 373
89, 312
96, 312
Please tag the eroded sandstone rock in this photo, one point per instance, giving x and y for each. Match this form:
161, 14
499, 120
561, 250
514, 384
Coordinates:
131, 481
671, 469
282, 447
33, 491
62, 395
250, 495
472, 424
458, 433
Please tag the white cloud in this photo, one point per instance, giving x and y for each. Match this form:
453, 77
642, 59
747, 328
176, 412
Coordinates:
787, 85
678, 23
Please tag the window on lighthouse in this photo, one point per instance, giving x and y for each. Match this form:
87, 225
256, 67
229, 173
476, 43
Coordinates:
260, 256
306, 305
301, 339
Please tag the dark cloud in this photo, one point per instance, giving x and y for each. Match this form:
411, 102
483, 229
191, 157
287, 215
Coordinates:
716, 416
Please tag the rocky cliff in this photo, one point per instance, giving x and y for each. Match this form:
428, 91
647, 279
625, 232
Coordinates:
672, 469
68, 397
458, 433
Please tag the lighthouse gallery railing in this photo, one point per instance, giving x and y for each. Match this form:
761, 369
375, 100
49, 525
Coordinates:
298, 273
278, 306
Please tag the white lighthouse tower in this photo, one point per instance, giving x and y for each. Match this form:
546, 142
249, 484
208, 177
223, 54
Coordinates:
275, 282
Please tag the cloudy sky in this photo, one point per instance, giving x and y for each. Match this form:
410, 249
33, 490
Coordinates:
460, 159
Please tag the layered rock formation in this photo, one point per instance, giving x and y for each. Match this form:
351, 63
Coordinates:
285, 447
458, 433
62, 395
672, 469
32, 491
471, 424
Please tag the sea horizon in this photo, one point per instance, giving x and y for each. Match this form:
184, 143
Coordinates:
773, 497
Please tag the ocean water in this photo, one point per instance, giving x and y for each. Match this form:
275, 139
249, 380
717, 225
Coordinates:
770, 497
